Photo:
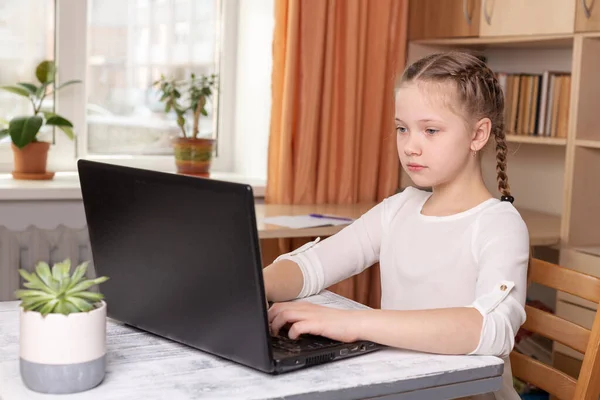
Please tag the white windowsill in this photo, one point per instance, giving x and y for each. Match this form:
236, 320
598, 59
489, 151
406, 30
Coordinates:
65, 186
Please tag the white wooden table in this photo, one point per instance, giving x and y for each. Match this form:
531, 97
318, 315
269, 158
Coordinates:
144, 366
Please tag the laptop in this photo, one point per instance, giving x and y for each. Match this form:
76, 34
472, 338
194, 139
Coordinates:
184, 261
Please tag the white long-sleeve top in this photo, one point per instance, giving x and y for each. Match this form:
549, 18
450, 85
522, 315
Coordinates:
476, 258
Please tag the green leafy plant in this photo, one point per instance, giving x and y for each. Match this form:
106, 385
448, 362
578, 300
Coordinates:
57, 291
24, 129
187, 97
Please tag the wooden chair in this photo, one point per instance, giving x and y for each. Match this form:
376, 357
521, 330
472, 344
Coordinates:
555, 382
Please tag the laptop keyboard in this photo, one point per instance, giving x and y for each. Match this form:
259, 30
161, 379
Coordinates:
303, 343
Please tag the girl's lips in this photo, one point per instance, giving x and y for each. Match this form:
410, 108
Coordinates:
415, 167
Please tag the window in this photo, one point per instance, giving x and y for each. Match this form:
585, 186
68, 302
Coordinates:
25, 42
118, 48
131, 44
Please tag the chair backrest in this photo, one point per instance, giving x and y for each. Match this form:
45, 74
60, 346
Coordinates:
555, 382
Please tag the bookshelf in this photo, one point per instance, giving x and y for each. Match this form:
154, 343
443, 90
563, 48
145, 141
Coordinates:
555, 175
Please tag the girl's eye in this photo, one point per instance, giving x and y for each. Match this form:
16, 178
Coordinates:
431, 131
400, 129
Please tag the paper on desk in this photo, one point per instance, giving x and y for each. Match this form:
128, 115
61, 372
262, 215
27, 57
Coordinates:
330, 299
303, 221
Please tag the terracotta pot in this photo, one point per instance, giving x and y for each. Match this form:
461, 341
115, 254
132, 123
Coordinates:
193, 156
31, 159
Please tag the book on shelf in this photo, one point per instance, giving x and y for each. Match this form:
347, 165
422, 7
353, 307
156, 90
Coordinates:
536, 104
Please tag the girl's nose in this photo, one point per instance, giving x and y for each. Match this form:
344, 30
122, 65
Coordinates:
411, 147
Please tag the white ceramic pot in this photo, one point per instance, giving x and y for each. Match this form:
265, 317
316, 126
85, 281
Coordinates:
62, 354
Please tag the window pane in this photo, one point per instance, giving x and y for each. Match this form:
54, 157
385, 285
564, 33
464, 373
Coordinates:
25, 42
131, 43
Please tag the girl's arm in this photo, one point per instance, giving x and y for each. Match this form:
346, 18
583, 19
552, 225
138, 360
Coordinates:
486, 327
441, 331
283, 280
320, 264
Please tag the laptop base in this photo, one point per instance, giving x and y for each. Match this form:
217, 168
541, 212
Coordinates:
286, 362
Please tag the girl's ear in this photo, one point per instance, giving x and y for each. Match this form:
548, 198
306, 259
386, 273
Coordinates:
481, 134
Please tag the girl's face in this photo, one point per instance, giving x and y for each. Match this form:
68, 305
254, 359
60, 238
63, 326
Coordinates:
434, 143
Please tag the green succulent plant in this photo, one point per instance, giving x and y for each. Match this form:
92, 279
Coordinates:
57, 291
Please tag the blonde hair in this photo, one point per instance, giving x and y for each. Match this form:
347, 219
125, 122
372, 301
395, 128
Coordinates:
479, 94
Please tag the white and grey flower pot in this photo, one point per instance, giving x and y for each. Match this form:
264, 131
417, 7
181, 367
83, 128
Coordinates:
61, 354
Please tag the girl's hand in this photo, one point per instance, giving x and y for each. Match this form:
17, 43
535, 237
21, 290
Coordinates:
307, 318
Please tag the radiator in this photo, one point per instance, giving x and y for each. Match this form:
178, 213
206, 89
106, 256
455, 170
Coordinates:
23, 249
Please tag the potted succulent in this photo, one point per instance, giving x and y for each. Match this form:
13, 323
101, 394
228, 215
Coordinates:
193, 154
31, 154
62, 329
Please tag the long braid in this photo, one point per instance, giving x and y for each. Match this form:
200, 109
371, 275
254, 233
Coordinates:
501, 150
500, 136
478, 82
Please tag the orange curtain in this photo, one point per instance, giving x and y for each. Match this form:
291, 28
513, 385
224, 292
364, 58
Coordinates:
332, 119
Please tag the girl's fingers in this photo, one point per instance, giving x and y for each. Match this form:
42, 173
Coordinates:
280, 307
283, 318
294, 313
275, 310
303, 327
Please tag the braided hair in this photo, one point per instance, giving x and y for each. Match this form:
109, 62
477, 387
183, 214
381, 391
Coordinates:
479, 94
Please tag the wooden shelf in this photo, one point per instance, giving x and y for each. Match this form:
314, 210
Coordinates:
537, 41
594, 144
592, 35
552, 141
533, 41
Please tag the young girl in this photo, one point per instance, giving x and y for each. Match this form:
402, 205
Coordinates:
453, 261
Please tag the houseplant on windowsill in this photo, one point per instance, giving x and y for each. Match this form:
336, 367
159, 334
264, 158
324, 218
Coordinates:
31, 154
62, 342
188, 98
